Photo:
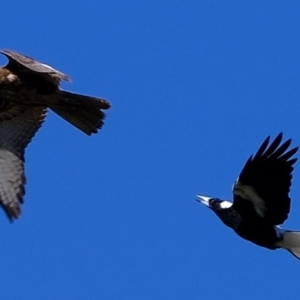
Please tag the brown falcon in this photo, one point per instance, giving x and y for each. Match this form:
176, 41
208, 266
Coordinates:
27, 89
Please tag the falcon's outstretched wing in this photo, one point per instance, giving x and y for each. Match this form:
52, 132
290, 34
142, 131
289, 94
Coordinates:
15, 135
22, 63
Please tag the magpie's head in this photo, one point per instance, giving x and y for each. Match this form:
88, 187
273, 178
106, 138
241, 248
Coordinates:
217, 205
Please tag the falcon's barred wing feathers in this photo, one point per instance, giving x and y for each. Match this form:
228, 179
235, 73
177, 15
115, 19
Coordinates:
14, 137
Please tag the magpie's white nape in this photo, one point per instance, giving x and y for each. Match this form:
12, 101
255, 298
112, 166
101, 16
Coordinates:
205, 200
261, 198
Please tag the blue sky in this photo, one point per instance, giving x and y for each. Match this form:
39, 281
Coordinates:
195, 88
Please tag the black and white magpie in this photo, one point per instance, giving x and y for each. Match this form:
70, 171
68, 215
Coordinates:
261, 199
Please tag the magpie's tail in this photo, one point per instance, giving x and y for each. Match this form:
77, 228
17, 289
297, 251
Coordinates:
83, 112
291, 242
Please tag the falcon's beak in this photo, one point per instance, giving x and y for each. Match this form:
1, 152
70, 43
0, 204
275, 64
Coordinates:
204, 200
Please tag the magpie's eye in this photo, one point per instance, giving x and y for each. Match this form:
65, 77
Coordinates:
214, 203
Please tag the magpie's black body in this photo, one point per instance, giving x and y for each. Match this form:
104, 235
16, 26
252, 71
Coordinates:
261, 198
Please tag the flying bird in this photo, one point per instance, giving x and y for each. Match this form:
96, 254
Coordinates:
27, 89
261, 199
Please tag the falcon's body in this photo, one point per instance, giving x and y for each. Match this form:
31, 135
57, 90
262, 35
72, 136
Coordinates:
27, 89
261, 198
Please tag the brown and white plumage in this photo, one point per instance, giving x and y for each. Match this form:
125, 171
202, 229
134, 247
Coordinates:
27, 89
15, 135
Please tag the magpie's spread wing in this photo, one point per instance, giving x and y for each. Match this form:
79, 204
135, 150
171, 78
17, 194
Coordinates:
266, 179
20, 63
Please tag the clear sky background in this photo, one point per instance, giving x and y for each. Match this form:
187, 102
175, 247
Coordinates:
195, 88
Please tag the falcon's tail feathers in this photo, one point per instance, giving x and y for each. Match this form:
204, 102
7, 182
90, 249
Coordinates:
291, 242
83, 112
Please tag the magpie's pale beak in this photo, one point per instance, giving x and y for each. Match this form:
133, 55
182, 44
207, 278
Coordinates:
204, 200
